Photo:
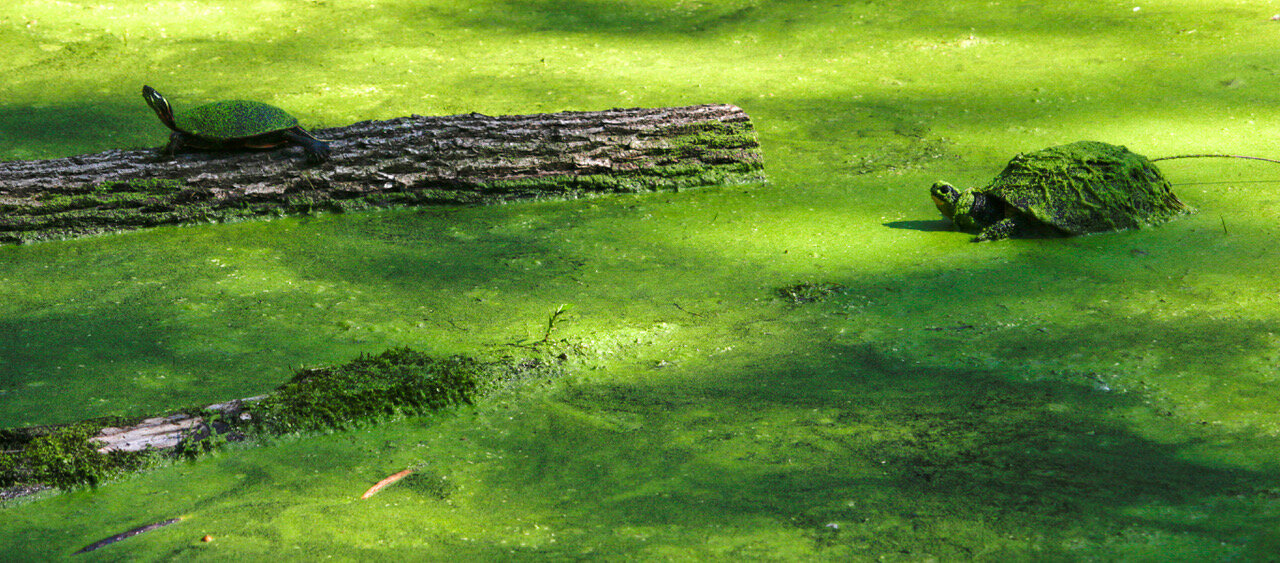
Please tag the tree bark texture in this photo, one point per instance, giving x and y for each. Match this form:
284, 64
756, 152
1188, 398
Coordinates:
413, 160
162, 434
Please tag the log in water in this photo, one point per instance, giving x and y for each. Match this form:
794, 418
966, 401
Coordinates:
415, 160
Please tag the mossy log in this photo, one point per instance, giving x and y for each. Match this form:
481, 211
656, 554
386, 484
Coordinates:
397, 382
39, 458
417, 160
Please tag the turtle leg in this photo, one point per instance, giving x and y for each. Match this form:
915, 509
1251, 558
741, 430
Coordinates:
1000, 230
175, 144
317, 150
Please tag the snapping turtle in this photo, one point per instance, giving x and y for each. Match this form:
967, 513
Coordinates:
233, 124
1080, 188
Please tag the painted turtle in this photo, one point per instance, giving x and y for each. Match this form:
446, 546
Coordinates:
233, 124
1080, 188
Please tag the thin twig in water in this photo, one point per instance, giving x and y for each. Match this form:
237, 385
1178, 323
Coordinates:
957, 327
686, 310
546, 335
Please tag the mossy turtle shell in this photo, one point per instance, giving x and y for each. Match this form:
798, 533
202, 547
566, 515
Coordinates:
234, 119
1086, 187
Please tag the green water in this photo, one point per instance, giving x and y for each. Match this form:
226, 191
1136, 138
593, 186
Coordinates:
1108, 397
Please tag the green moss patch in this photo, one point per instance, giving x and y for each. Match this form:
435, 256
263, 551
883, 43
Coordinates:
397, 382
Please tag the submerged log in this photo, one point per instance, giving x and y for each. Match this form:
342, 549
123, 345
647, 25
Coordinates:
413, 160
397, 382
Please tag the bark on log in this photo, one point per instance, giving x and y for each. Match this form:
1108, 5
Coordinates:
157, 434
165, 432
414, 160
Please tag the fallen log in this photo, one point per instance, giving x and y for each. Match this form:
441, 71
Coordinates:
417, 160
397, 382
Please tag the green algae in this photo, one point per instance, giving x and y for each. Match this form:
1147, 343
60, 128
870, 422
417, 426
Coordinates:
1102, 398
397, 382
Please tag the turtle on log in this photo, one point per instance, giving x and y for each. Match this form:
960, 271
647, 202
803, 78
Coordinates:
232, 125
1080, 188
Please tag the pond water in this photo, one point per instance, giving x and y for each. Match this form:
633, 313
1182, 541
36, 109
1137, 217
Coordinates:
1106, 397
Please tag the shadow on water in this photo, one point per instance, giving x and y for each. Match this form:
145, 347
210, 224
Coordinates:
28, 132
865, 456
637, 17
924, 226
621, 18
132, 359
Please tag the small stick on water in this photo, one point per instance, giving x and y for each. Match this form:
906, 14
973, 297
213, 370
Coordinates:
383, 483
124, 535
1215, 156
1224, 223
686, 310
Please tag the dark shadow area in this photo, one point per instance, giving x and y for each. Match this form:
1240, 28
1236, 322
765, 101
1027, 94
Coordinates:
604, 17
127, 360
61, 130
878, 459
924, 226
929, 18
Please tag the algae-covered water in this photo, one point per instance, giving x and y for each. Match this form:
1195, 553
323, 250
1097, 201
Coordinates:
1107, 397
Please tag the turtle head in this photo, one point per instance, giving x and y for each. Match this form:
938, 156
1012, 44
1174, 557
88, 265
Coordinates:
945, 196
956, 205
159, 105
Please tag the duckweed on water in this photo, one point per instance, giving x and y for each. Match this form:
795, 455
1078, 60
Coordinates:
1110, 397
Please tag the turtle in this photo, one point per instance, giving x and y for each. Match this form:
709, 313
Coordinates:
231, 125
1075, 189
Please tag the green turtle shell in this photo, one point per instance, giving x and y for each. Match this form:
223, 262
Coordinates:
1087, 187
234, 119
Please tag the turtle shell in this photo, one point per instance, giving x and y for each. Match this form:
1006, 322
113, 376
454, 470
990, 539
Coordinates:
1087, 187
234, 119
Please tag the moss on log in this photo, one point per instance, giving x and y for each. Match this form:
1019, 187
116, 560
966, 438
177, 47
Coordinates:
397, 382
460, 159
